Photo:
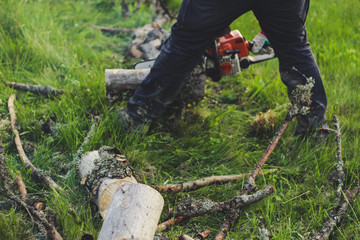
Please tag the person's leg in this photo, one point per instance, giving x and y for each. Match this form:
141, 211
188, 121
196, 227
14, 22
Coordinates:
199, 22
283, 22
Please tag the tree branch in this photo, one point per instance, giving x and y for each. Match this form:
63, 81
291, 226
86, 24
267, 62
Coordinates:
193, 208
249, 185
336, 215
24, 159
193, 185
37, 89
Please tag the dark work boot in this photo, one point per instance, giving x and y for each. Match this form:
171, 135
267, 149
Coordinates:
311, 127
131, 123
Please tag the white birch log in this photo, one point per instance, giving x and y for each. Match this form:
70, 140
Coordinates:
120, 80
131, 210
107, 187
133, 214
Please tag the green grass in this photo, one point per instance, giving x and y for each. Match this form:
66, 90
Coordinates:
51, 42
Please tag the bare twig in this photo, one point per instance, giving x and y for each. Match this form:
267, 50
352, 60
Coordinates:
37, 217
340, 175
202, 235
166, 225
113, 30
193, 185
192, 208
249, 185
225, 227
50, 229
37, 89
185, 237
24, 159
21, 186
336, 215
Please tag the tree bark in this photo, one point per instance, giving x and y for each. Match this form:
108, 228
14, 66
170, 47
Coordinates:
120, 80
193, 185
133, 213
192, 208
37, 89
130, 210
24, 159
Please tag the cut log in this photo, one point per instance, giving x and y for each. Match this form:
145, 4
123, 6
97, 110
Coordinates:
130, 210
105, 185
120, 80
133, 213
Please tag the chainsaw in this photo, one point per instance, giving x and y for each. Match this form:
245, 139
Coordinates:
227, 56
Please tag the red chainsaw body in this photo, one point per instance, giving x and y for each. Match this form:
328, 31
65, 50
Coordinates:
231, 41
231, 48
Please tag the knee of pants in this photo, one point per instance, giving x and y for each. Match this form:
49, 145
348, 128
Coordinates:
291, 78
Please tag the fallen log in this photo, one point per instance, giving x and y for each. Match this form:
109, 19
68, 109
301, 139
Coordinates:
120, 80
147, 41
130, 210
133, 213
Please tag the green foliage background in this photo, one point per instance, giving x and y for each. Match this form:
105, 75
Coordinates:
52, 43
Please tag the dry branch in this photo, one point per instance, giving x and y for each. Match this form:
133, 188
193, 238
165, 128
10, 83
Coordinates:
37, 89
21, 186
185, 237
202, 235
336, 215
37, 216
113, 30
193, 185
229, 219
24, 159
50, 229
339, 172
249, 185
167, 224
192, 208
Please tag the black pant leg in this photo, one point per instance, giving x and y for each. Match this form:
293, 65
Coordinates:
283, 21
199, 22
